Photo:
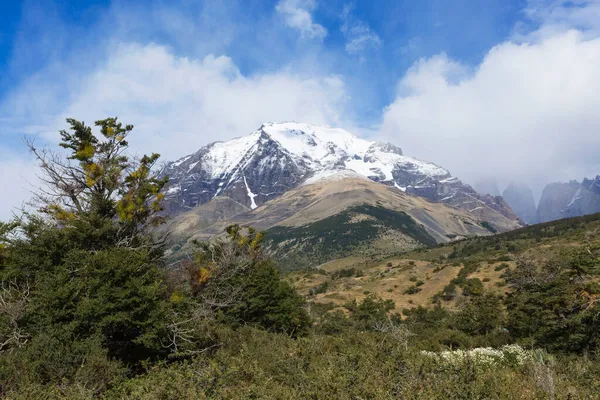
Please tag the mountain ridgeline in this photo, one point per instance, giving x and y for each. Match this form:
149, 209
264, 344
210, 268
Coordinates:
263, 165
322, 193
558, 200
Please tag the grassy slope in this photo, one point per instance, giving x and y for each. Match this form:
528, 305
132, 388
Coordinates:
360, 229
389, 277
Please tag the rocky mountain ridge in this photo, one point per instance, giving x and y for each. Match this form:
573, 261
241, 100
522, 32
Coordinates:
277, 157
586, 200
572, 199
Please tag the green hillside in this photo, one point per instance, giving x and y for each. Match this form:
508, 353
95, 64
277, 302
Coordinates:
357, 230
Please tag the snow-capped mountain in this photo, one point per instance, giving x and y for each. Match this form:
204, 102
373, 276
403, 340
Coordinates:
586, 199
280, 156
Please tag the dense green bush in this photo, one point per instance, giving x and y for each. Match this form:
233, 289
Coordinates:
555, 305
351, 365
480, 315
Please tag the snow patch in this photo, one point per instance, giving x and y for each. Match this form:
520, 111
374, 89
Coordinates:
333, 175
448, 197
250, 194
192, 165
576, 197
181, 161
402, 188
173, 190
223, 157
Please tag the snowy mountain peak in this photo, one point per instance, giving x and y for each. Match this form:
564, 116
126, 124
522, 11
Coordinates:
315, 142
332, 148
277, 157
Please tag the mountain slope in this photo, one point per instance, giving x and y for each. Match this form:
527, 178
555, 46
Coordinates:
184, 225
486, 259
265, 164
349, 208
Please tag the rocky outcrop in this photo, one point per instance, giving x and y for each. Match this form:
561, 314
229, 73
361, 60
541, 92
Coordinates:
520, 199
586, 199
555, 199
249, 172
573, 199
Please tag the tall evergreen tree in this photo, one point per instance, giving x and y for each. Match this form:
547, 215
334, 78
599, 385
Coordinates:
87, 258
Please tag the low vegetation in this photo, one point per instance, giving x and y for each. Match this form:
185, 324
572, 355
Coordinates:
354, 230
88, 308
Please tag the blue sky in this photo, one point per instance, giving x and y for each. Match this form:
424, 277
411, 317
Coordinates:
36, 34
501, 88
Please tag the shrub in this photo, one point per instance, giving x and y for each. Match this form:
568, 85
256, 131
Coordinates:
343, 273
412, 290
234, 280
473, 287
501, 267
322, 288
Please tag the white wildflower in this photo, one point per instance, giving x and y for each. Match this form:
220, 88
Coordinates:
513, 355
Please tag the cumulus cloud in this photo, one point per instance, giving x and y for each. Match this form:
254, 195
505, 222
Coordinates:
358, 34
297, 15
179, 104
528, 111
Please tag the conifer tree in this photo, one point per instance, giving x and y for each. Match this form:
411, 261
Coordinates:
87, 260
98, 181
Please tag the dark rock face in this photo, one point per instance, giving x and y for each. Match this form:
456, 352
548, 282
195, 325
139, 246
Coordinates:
556, 198
265, 171
593, 185
573, 199
272, 160
586, 199
520, 198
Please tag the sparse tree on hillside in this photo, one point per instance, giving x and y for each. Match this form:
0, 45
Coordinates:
232, 281
98, 180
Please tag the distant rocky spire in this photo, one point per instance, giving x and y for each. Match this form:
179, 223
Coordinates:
487, 186
520, 198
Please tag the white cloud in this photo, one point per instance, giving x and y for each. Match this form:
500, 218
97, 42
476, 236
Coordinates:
297, 15
564, 14
176, 104
179, 104
529, 110
358, 34
17, 177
